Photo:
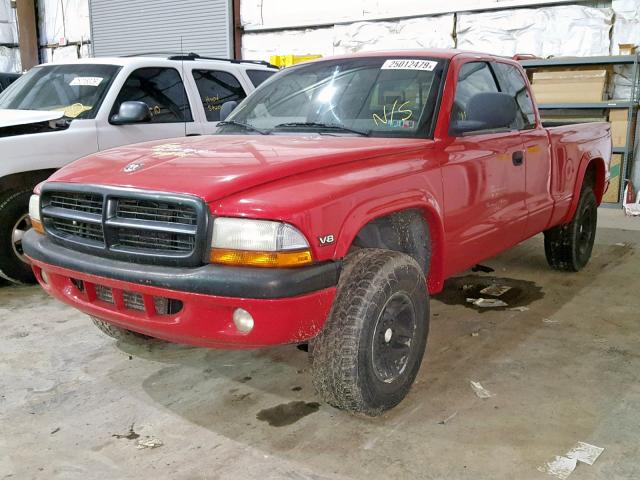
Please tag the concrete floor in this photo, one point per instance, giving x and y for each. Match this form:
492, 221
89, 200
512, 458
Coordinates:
74, 404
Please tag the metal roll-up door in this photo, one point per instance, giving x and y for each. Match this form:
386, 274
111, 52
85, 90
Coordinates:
127, 27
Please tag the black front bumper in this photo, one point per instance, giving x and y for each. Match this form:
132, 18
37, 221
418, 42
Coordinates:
219, 280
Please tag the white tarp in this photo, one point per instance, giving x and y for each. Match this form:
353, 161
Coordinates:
9, 59
552, 31
64, 54
427, 32
626, 29
73, 25
260, 46
284, 13
8, 31
257, 14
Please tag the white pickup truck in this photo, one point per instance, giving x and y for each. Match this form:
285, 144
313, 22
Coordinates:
57, 113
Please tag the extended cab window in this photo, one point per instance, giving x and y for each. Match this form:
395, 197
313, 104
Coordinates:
512, 82
215, 88
163, 92
473, 78
259, 76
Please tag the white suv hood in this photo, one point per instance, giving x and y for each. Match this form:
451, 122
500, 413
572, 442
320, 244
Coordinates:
9, 118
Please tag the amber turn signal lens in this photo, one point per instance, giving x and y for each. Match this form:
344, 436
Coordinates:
260, 259
37, 226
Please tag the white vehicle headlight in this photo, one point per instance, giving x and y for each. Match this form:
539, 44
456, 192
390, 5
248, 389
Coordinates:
34, 213
263, 243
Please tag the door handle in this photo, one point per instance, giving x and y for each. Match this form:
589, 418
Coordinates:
518, 158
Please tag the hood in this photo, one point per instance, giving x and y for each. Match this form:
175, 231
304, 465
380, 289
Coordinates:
12, 118
213, 167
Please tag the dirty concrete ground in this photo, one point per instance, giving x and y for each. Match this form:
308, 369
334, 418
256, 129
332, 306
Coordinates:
74, 404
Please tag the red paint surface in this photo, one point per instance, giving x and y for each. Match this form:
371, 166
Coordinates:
477, 203
205, 320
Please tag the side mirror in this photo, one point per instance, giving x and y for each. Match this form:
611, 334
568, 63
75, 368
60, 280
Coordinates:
131, 112
226, 109
487, 111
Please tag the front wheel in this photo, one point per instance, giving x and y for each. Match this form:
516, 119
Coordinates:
568, 247
14, 223
371, 347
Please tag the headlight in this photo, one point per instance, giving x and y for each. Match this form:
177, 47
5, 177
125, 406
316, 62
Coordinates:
259, 243
34, 213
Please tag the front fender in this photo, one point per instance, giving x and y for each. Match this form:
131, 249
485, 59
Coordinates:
425, 202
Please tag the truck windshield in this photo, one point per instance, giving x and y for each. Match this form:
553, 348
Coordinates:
77, 89
373, 96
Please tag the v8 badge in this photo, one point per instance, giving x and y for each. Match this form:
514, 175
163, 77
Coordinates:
326, 240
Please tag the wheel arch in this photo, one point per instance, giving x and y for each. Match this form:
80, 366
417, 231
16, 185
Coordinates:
592, 171
30, 179
368, 233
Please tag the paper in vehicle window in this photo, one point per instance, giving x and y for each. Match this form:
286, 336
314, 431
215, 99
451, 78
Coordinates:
409, 64
86, 81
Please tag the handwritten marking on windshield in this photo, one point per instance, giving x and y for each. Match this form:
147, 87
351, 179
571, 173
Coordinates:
388, 119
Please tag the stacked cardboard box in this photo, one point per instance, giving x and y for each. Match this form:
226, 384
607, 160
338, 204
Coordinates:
570, 86
612, 193
619, 120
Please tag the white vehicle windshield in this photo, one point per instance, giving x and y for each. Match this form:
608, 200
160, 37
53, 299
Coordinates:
373, 96
77, 90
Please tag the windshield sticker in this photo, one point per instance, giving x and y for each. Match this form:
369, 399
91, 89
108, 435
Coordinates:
409, 64
397, 110
73, 111
86, 81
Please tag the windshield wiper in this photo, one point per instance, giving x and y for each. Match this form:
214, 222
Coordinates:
327, 126
247, 126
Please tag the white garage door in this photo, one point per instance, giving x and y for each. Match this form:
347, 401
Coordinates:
127, 27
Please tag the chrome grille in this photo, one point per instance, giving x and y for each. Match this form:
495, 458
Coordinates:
142, 227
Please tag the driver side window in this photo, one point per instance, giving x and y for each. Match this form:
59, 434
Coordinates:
163, 92
474, 78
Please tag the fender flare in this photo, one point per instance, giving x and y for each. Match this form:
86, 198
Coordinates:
362, 214
600, 182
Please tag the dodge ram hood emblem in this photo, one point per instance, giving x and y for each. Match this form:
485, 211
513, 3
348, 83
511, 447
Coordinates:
132, 167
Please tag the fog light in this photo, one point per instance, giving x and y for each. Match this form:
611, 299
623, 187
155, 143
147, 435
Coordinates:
44, 276
243, 320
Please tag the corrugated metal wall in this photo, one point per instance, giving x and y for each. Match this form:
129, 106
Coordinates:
124, 27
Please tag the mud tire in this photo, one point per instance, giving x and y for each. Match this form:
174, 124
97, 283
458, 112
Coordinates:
348, 359
13, 206
568, 247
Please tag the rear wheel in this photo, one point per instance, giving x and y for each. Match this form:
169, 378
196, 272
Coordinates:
371, 347
119, 333
14, 223
568, 247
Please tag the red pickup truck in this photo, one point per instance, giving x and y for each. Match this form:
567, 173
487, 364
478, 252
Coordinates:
325, 210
